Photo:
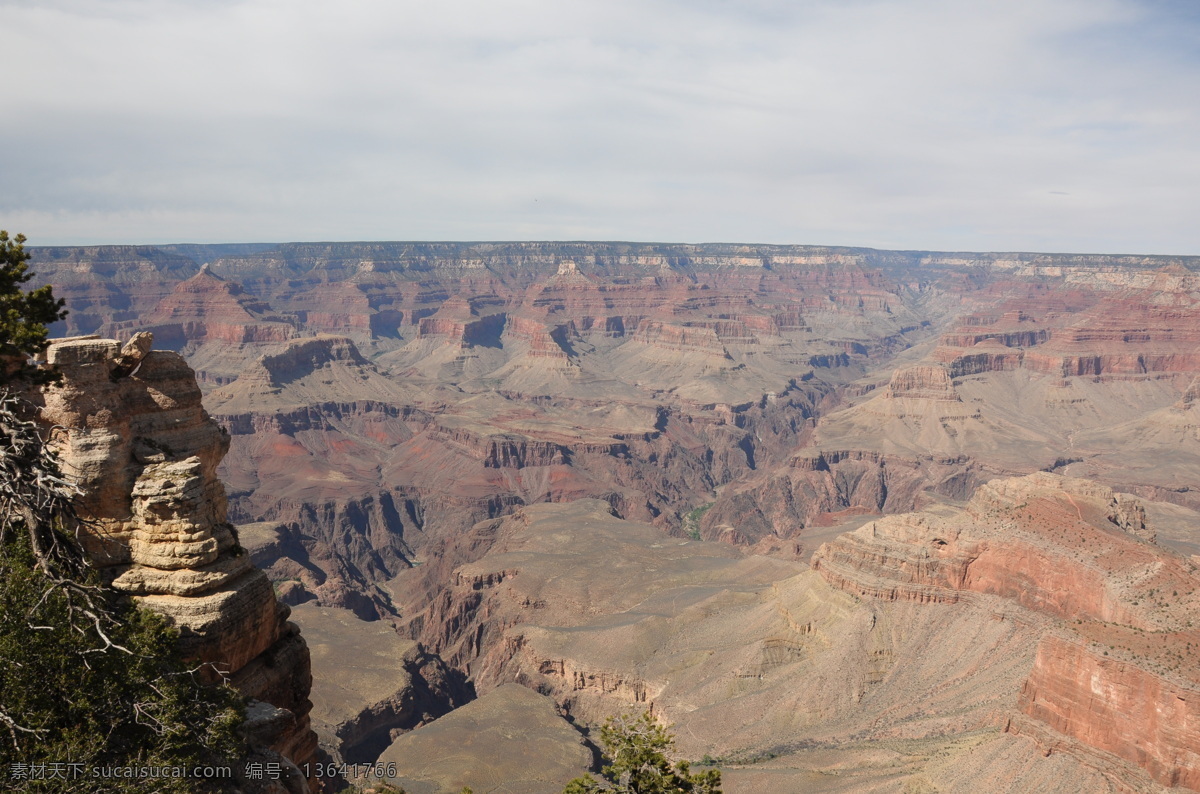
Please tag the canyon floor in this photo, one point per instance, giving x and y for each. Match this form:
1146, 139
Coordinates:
848, 520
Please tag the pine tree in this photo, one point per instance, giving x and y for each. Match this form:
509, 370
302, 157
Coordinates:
23, 315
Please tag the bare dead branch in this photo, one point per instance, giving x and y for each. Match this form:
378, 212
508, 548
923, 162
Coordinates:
13, 727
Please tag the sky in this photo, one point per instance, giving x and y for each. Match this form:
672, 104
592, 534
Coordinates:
1024, 125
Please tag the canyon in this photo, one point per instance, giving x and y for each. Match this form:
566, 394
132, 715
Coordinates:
850, 520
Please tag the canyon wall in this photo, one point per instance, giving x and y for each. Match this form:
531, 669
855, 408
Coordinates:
1079, 691
398, 470
1083, 377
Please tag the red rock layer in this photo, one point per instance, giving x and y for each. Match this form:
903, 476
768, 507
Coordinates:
543, 340
103, 284
478, 330
1119, 707
208, 308
1153, 326
677, 338
1119, 674
340, 308
505, 452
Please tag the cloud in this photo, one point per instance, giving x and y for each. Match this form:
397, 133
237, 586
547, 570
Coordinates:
1047, 124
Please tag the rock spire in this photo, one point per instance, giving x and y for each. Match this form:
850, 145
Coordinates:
130, 430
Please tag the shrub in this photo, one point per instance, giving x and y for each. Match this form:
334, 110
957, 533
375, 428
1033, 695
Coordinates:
636, 747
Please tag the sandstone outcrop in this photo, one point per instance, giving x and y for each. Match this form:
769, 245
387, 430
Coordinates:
928, 382
130, 430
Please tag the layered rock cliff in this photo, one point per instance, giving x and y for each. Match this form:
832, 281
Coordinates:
475, 380
130, 430
1114, 680
215, 323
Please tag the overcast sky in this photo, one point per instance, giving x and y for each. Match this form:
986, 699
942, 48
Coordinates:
1050, 125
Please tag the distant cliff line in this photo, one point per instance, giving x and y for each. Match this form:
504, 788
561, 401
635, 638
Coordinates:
256, 259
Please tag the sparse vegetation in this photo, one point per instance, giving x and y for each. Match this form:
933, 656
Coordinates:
636, 747
691, 521
109, 694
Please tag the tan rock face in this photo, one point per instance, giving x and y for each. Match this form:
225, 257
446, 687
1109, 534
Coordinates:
130, 430
930, 382
743, 655
677, 338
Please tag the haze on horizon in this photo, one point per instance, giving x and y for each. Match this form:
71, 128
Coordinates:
1044, 125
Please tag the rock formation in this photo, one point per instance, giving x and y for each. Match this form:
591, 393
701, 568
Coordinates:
208, 308
1034, 639
129, 428
116, 283
1089, 378
214, 322
1116, 673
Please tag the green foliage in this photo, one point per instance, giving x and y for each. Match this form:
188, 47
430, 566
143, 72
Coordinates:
636, 748
86, 678
23, 315
71, 698
691, 522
